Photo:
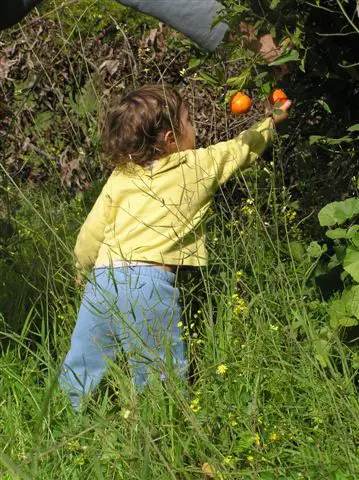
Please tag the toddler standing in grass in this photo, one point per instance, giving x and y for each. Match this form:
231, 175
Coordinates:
146, 223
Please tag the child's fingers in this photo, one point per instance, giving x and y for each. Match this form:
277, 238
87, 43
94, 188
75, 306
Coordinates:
286, 106
280, 114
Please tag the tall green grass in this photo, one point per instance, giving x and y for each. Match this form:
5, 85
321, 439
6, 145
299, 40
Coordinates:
258, 405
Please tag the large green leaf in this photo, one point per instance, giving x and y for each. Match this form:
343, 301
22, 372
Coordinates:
314, 250
240, 81
338, 212
337, 311
354, 128
351, 262
336, 233
327, 216
339, 315
313, 139
297, 250
355, 240
293, 56
351, 300
352, 231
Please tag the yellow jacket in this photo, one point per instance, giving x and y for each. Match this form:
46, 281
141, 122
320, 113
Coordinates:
156, 214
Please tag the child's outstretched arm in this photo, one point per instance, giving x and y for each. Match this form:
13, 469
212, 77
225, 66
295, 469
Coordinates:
216, 164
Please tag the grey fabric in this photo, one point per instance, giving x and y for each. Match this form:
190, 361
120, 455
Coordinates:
12, 11
194, 18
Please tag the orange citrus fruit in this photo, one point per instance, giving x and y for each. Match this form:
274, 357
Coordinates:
240, 103
277, 96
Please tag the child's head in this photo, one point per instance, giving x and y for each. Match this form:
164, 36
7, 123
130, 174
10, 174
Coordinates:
145, 125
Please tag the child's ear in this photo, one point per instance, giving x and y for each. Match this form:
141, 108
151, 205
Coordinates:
170, 140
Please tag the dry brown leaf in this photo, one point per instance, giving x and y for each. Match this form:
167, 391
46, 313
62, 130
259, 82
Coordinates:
111, 66
5, 66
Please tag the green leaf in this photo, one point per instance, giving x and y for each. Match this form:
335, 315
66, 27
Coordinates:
327, 216
337, 312
354, 128
297, 250
324, 105
352, 231
347, 209
88, 99
274, 4
313, 139
336, 233
333, 262
340, 252
351, 262
338, 212
315, 250
43, 120
293, 56
349, 322
261, 75
355, 240
267, 88
240, 81
208, 78
350, 298
194, 62
322, 348
245, 442
338, 141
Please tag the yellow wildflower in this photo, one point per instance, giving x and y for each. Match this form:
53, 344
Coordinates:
228, 460
273, 437
239, 304
221, 369
195, 406
125, 414
80, 460
239, 274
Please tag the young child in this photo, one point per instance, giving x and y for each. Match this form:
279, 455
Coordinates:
146, 223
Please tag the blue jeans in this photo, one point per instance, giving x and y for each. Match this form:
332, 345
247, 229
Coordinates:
131, 308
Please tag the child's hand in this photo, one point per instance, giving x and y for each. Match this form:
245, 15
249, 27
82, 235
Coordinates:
280, 117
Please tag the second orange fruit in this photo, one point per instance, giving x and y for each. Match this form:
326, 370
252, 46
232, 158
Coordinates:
240, 103
277, 96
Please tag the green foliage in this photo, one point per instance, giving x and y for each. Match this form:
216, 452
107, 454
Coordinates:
89, 17
346, 240
344, 311
338, 213
259, 402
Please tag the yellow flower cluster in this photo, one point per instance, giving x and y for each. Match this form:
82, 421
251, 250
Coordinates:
195, 404
231, 418
189, 332
239, 275
248, 208
239, 304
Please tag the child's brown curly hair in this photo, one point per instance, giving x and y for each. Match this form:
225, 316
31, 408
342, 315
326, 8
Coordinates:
134, 125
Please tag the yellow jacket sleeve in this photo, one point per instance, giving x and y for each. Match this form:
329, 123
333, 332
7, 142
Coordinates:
92, 232
216, 164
